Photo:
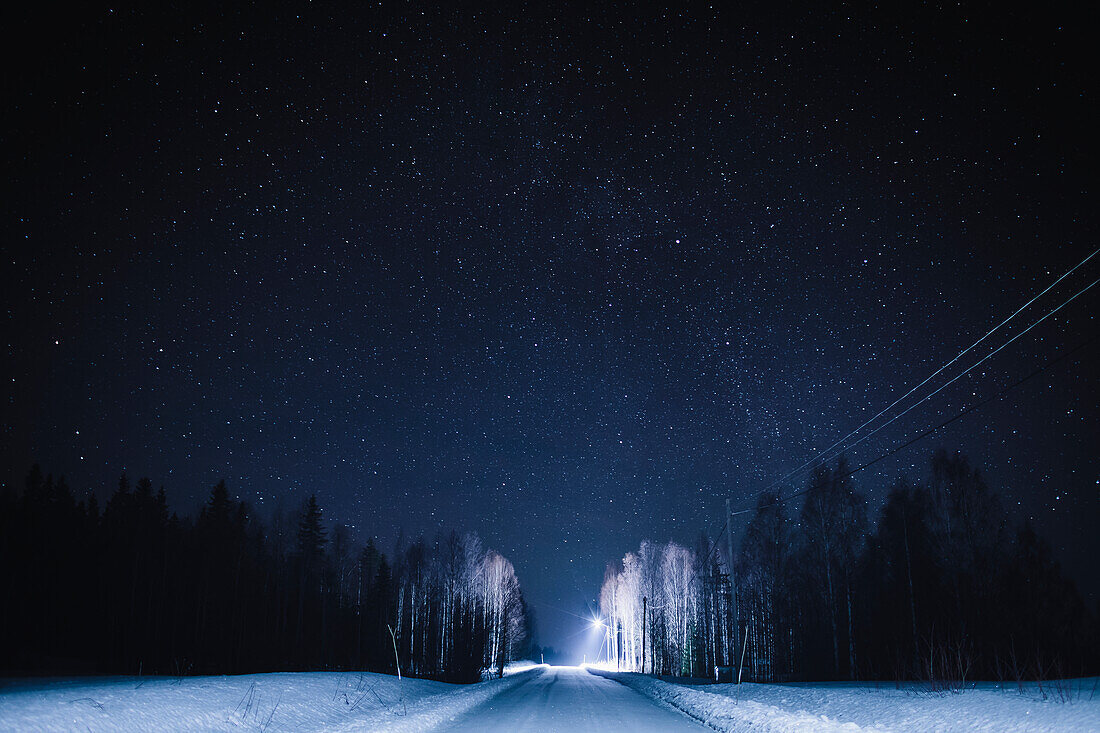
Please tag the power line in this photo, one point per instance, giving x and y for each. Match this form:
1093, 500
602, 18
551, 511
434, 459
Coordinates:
969, 369
822, 456
972, 408
978, 405
999, 394
826, 454
925, 399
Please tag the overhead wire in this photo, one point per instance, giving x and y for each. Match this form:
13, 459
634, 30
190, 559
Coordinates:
966, 371
822, 456
968, 410
999, 394
715, 543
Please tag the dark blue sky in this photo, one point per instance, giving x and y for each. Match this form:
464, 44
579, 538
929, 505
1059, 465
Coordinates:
566, 278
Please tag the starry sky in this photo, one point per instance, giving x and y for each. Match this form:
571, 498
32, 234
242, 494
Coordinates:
568, 276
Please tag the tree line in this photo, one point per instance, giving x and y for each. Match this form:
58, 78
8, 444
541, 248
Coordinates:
940, 588
135, 588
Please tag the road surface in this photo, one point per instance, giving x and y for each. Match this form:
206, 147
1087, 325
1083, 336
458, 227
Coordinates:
571, 699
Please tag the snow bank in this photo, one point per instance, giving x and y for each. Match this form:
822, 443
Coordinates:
1074, 706
522, 666
436, 712
306, 701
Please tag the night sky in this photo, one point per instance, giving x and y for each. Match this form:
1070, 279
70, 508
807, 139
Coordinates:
568, 278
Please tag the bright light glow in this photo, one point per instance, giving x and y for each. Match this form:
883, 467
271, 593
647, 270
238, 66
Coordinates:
520, 666
597, 623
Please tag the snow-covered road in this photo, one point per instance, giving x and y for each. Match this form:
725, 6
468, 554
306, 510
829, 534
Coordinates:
571, 699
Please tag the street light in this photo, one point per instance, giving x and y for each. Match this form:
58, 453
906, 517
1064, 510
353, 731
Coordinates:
598, 623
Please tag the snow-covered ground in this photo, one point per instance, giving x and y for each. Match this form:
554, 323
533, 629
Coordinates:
1073, 705
309, 701
531, 698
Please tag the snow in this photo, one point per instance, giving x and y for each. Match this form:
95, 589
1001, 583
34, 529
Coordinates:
571, 699
511, 668
530, 697
1071, 705
307, 701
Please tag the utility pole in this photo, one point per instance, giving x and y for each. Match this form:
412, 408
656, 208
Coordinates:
744, 645
733, 580
644, 599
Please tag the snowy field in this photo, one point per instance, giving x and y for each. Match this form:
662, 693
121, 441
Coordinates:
1072, 705
538, 698
307, 701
